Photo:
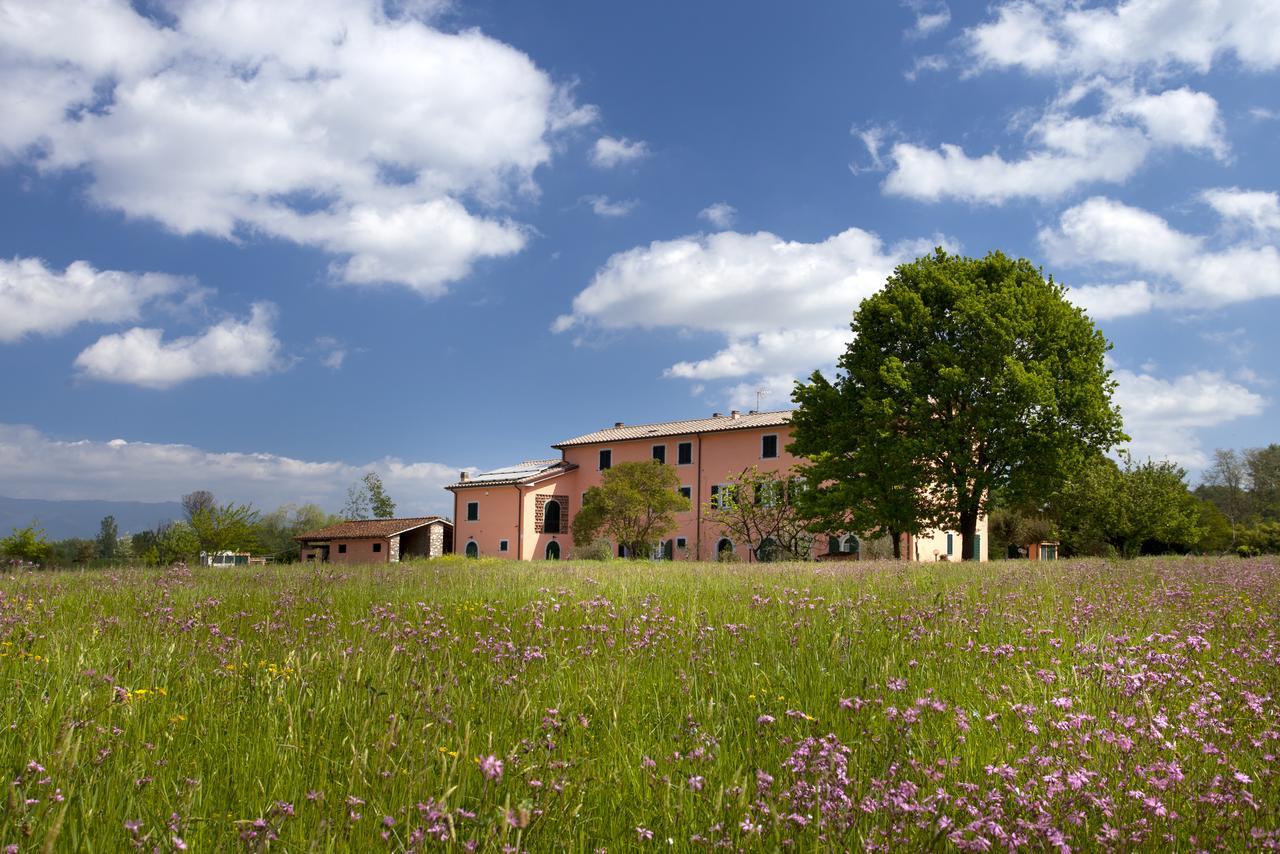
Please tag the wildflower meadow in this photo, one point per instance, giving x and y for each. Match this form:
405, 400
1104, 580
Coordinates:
621, 706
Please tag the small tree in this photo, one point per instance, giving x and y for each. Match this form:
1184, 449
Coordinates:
276, 530
27, 544
634, 506
230, 527
108, 538
194, 502
1226, 483
144, 546
367, 497
379, 502
759, 509
1263, 465
176, 541
1128, 510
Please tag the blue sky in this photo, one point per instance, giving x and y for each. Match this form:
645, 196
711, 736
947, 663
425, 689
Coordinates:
261, 248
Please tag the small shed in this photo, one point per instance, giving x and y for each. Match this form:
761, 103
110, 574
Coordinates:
225, 558
378, 540
1045, 550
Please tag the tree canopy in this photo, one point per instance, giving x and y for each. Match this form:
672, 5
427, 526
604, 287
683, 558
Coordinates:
29, 544
367, 497
1128, 510
634, 506
759, 509
964, 376
230, 527
108, 538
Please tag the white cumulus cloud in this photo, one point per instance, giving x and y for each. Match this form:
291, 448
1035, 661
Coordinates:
610, 151
603, 206
1255, 209
37, 300
1103, 234
37, 465
719, 214
930, 18
1164, 415
1128, 36
379, 139
1107, 302
781, 308
141, 356
1064, 150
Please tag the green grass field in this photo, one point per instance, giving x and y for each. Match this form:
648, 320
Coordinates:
621, 705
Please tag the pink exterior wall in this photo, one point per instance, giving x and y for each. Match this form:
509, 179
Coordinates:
716, 458
358, 551
499, 517
508, 512
535, 543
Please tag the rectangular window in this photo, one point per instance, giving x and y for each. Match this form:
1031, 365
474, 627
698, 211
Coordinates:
768, 447
377, 547
473, 511
951, 544
502, 545
682, 543
606, 459
660, 453
684, 453
342, 548
687, 492
977, 547
721, 494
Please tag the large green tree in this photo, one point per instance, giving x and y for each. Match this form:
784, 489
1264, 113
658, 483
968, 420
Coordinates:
634, 506
965, 376
863, 470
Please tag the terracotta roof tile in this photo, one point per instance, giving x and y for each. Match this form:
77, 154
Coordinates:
369, 528
677, 428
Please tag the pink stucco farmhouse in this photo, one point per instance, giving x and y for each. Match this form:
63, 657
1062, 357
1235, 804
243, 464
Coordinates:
524, 511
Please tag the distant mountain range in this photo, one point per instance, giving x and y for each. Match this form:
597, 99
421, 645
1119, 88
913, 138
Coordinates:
62, 519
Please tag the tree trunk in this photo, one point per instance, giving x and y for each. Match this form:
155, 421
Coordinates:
896, 536
968, 534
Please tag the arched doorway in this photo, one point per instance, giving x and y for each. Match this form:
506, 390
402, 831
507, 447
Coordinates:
553, 550
473, 550
551, 518
724, 549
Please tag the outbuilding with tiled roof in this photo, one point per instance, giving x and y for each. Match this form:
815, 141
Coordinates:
378, 540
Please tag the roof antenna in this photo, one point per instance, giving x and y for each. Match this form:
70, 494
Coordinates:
760, 392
